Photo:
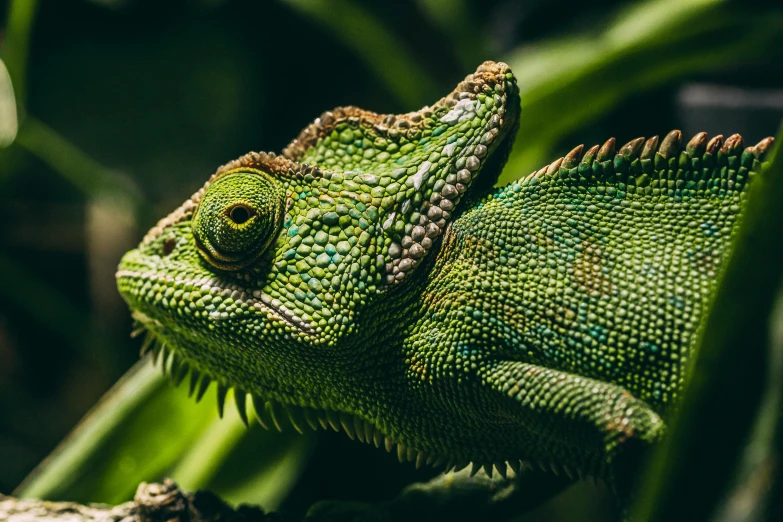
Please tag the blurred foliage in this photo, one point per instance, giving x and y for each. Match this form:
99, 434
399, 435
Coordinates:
108, 455
573, 80
117, 110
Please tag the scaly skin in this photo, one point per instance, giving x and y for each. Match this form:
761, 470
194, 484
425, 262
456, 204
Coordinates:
372, 278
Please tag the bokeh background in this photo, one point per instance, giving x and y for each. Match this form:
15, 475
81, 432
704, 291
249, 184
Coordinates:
123, 108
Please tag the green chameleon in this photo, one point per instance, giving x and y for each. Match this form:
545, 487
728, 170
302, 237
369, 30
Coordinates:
371, 279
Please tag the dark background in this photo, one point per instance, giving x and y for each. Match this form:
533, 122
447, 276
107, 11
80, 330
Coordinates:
126, 107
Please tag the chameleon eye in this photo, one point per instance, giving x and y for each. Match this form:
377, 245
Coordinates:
238, 218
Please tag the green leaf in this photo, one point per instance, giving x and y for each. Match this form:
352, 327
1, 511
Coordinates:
247, 465
137, 431
724, 432
144, 429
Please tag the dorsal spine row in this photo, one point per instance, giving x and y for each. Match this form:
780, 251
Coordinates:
640, 161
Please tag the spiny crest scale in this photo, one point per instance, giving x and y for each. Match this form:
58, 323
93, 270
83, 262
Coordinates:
661, 158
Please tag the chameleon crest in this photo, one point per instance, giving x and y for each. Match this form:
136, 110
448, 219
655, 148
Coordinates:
371, 279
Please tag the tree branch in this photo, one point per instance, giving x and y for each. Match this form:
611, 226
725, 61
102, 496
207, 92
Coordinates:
456, 496
152, 503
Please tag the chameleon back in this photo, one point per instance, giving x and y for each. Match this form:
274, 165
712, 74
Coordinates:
572, 298
599, 267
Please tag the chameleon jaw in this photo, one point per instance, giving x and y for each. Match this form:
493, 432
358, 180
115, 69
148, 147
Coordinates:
274, 414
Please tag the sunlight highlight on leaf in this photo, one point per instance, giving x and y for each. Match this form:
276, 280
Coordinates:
9, 124
101, 458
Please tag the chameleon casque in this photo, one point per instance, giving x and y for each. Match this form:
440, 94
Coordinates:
372, 279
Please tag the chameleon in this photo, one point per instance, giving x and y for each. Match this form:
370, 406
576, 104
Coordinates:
372, 279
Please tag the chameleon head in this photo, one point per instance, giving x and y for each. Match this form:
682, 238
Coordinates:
282, 276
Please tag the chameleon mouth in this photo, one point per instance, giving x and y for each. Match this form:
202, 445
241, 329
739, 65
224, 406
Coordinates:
274, 414
200, 287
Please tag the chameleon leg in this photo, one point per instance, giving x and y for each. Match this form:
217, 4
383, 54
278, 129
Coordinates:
573, 421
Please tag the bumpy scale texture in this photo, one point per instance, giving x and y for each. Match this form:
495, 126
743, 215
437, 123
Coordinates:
371, 280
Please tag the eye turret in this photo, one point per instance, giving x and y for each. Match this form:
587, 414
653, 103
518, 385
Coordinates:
238, 218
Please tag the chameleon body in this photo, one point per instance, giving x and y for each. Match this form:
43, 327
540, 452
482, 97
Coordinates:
371, 279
